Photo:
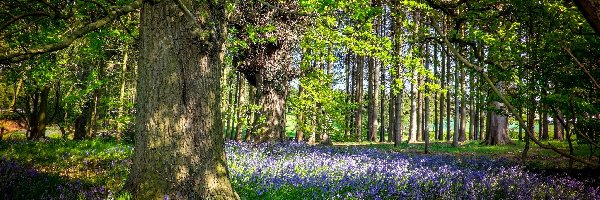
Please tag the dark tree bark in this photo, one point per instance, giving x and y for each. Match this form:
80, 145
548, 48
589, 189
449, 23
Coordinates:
82, 121
426, 106
558, 129
455, 138
448, 105
179, 141
463, 107
472, 107
359, 97
440, 135
39, 118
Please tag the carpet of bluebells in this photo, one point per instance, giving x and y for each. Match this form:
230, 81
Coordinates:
293, 171
97, 170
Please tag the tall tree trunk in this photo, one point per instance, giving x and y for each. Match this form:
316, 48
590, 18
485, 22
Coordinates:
122, 93
419, 109
373, 99
435, 65
179, 143
229, 105
392, 113
254, 116
359, 96
455, 138
240, 123
82, 121
463, 106
448, 105
472, 116
382, 107
426, 102
412, 137
347, 116
300, 118
440, 135
545, 123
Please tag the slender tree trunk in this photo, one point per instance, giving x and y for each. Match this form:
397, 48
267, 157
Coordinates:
240, 104
347, 116
419, 109
426, 106
392, 113
382, 107
359, 95
254, 116
179, 143
463, 106
455, 138
229, 105
122, 93
300, 118
472, 107
412, 137
448, 105
440, 135
435, 64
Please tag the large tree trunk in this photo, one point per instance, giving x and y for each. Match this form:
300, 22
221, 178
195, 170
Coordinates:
558, 129
498, 129
179, 141
39, 116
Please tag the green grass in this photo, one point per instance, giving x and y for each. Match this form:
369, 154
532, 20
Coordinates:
95, 162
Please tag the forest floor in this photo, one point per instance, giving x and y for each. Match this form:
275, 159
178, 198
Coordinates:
97, 169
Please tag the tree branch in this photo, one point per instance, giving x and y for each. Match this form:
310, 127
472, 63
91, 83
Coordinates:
583, 68
12, 56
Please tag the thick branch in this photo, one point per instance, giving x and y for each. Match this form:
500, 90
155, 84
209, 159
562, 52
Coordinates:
19, 55
511, 109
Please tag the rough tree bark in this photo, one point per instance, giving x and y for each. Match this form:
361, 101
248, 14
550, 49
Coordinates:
498, 129
178, 130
